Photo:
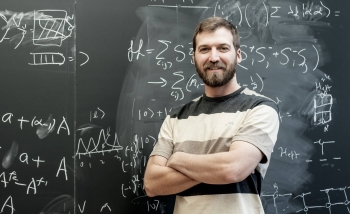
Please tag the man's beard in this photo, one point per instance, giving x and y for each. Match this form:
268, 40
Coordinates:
216, 79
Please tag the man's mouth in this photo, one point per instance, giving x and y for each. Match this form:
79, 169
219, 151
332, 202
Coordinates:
214, 66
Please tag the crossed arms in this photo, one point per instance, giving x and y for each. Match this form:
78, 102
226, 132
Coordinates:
183, 171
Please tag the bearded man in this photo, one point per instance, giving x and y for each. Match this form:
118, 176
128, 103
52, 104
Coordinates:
214, 151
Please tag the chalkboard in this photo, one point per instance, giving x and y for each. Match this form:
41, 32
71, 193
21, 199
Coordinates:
85, 86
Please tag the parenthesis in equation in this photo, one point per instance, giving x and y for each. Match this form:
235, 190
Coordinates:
318, 57
262, 82
87, 56
240, 12
245, 15
329, 11
267, 15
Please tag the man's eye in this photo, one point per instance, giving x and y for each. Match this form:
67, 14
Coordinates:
224, 48
203, 49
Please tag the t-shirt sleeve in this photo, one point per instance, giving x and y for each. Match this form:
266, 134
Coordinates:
260, 128
164, 146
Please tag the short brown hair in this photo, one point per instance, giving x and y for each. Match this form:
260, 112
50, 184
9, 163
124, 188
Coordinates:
211, 24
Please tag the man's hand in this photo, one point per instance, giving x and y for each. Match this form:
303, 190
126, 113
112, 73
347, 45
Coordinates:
162, 180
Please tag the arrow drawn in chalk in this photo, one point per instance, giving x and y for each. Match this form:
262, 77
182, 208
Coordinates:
164, 82
86, 59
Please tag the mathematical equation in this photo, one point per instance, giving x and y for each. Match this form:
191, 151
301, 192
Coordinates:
193, 83
131, 158
30, 187
285, 56
178, 88
44, 128
181, 84
259, 13
294, 155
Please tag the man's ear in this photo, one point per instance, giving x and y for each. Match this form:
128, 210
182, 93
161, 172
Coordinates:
239, 56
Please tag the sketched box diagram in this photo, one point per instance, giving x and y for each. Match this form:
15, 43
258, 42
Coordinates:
323, 109
51, 27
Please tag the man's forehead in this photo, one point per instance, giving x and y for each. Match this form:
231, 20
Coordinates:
220, 35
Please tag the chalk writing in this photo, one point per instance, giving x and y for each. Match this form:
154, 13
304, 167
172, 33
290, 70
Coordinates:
99, 113
323, 103
101, 145
8, 204
291, 154
31, 186
339, 198
63, 168
44, 128
283, 56
168, 70
47, 58
329, 203
252, 12
49, 28
87, 58
146, 114
275, 196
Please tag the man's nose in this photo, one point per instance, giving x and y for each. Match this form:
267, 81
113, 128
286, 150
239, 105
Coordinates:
214, 55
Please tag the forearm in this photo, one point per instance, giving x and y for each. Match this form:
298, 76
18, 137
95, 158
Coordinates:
215, 168
163, 180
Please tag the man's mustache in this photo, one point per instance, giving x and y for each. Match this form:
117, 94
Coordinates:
214, 65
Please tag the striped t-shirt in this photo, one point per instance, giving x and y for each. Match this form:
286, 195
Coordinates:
209, 125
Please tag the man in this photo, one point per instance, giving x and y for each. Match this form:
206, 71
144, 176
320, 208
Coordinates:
214, 151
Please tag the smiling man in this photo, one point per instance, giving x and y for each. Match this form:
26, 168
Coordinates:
214, 151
